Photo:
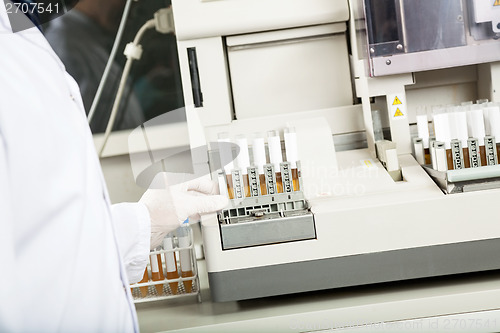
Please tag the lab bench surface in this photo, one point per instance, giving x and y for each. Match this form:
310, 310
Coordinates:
466, 303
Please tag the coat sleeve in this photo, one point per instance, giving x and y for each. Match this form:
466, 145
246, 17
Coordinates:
8, 288
133, 233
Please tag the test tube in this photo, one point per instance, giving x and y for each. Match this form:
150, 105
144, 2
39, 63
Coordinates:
457, 159
157, 272
486, 117
275, 156
441, 158
418, 148
226, 158
243, 161
238, 187
494, 120
183, 233
489, 139
490, 150
145, 278
423, 133
463, 134
253, 181
286, 177
443, 135
171, 262
223, 186
292, 155
475, 121
474, 158
259, 160
432, 150
457, 154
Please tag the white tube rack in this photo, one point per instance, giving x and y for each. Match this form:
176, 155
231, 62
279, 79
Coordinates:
152, 293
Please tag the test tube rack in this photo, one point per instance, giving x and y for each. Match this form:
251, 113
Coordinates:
466, 180
268, 219
261, 219
152, 293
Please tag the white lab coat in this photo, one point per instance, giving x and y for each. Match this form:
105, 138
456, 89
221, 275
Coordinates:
65, 252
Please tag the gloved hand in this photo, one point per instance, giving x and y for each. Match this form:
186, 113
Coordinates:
170, 207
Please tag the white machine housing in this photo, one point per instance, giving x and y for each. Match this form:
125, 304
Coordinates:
257, 65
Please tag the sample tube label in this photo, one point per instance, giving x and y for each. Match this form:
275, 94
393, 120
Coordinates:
473, 153
253, 181
491, 150
457, 154
270, 178
286, 177
237, 184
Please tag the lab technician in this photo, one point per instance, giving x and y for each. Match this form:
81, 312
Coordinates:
66, 254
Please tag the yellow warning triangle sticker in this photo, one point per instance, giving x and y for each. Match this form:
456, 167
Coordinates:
398, 113
497, 3
397, 101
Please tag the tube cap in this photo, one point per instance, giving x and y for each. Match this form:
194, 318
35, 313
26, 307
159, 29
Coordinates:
274, 146
442, 129
475, 121
225, 152
243, 158
423, 129
494, 120
291, 150
259, 152
462, 131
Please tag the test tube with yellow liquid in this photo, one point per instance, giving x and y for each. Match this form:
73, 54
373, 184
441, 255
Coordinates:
144, 289
226, 159
243, 161
259, 159
494, 120
463, 134
475, 122
183, 236
171, 262
157, 272
275, 157
292, 155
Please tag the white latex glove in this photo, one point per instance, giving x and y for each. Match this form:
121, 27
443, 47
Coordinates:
170, 207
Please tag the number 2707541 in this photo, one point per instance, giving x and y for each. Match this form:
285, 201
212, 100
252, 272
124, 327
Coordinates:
31, 8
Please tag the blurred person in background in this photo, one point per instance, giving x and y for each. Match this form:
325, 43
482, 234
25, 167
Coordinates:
83, 38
